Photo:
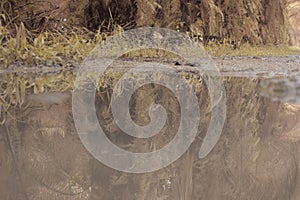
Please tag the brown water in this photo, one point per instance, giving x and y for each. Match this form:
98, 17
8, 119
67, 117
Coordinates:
257, 156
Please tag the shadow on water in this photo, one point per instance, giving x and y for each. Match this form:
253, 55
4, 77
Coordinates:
257, 156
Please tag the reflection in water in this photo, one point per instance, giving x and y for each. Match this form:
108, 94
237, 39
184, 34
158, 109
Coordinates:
256, 157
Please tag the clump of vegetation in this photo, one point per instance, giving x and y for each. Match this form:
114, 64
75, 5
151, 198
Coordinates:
46, 49
50, 49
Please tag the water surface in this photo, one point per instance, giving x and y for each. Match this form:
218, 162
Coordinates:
257, 156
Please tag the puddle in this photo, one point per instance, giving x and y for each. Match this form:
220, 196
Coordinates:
256, 157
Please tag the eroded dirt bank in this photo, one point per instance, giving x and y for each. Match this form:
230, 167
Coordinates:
256, 22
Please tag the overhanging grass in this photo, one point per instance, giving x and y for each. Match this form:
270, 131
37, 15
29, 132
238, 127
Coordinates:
58, 49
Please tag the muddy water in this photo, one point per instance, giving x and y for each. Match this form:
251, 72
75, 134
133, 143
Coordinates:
257, 156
